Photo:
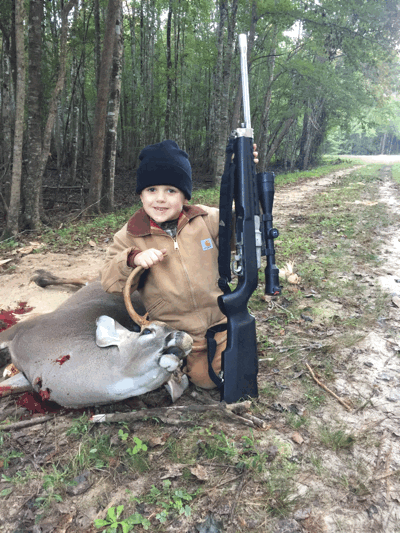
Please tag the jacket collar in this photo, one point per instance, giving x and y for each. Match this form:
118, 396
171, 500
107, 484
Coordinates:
139, 224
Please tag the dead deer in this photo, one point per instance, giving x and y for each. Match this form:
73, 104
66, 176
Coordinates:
95, 348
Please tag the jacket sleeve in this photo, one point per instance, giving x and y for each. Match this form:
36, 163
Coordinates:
115, 272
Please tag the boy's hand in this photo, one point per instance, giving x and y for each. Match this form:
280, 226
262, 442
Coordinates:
255, 154
149, 257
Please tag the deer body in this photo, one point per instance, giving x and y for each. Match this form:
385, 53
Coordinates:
89, 351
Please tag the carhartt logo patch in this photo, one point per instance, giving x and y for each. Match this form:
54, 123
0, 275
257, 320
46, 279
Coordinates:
207, 244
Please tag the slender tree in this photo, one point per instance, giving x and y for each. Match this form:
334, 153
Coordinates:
12, 226
110, 151
96, 175
31, 184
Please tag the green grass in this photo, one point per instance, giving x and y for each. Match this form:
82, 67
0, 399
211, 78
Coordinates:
337, 439
318, 172
396, 172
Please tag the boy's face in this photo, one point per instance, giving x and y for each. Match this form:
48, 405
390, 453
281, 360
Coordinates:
162, 202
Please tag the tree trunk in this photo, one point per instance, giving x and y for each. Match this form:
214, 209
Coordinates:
217, 92
312, 122
224, 121
83, 131
11, 229
101, 108
262, 141
31, 183
107, 203
169, 73
6, 119
56, 93
74, 135
383, 143
97, 41
278, 138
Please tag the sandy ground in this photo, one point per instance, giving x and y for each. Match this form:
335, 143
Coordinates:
381, 159
15, 285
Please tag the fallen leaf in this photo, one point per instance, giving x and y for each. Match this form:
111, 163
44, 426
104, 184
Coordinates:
26, 250
155, 441
92, 243
396, 301
4, 261
266, 298
297, 438
200, 472
173, 471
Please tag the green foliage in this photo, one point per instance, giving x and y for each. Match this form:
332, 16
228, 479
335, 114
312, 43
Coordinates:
336, 439
396, 172
138, 448
80, 426
115, 524
7, 456
8, 244
122, 435
80, 233
172, 501
52, 483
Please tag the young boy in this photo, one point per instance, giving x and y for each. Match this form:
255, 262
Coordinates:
177, 244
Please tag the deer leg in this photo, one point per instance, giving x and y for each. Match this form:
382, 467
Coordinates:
14, 385
176, 385
43, 278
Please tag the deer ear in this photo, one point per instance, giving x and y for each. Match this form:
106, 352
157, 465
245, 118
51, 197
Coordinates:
109, 332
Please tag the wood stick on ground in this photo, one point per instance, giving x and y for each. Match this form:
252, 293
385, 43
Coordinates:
26, 423
385, 476
326, 388
167, 414
237, 497
387, 472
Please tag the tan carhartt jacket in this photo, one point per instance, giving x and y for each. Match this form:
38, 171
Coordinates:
182, 289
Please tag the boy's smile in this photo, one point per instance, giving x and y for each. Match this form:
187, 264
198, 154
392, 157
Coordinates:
162, 202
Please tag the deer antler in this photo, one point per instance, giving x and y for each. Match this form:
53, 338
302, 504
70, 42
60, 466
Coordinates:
142, 321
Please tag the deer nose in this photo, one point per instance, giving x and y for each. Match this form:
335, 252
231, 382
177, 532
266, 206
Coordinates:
174, 350
178, 339
169, 338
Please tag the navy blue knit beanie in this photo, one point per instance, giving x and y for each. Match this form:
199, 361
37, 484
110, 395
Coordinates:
164, 164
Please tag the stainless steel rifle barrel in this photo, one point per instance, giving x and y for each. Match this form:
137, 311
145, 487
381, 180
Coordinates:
245, 79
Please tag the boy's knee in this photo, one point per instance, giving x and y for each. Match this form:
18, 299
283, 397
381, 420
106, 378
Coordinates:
197, 362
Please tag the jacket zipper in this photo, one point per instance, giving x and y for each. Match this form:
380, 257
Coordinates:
176, 248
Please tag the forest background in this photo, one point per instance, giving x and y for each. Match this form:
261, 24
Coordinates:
86, 84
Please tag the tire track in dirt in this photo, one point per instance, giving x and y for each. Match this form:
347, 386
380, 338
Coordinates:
290, 200
369, 501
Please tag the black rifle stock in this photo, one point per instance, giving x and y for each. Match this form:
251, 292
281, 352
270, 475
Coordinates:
254, 237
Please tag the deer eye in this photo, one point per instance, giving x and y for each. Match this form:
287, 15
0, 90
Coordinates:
146, 331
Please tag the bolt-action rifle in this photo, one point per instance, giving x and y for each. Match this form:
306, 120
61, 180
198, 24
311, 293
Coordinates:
254, 237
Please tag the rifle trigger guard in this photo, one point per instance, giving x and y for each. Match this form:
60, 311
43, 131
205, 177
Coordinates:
236, 267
